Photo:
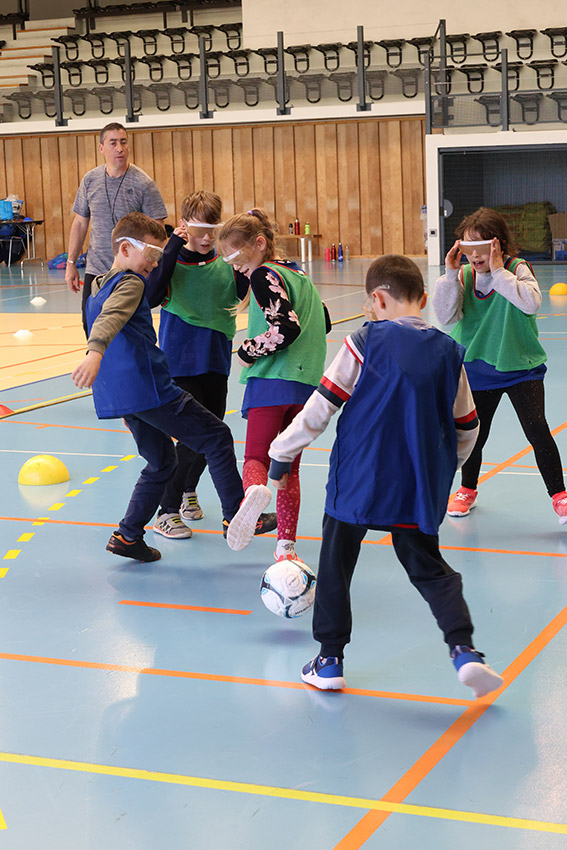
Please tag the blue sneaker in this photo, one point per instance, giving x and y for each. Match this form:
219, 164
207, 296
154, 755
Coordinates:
324, 673
474, 672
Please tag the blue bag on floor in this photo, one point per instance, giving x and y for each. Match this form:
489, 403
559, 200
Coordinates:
58, 262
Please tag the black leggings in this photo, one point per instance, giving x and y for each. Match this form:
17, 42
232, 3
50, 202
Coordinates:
529, 403
210, 389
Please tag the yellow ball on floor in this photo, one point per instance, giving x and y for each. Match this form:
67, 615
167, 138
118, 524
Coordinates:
558, 289
43, 469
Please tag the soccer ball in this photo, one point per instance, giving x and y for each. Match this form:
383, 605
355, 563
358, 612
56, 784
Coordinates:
288, 588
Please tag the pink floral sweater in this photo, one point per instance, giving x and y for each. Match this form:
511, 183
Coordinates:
283, 324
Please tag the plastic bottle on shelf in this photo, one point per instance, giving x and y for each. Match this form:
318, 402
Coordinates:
347, 253
333, 252
296, 227
327, 255
307, 228
340, 255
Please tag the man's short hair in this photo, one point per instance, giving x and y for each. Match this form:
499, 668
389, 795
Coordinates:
139, 226
398, 275
113, 126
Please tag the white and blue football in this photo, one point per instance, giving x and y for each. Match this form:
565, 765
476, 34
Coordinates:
288, 588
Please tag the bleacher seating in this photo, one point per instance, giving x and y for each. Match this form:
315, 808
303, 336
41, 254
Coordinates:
165, 66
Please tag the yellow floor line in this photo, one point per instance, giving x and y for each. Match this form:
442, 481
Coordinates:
49, 403
287, 793
2, 821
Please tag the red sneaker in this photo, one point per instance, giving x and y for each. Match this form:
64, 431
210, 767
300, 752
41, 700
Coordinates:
560, 506
463, 502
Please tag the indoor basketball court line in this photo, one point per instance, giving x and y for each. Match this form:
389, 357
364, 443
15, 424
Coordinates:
379, 808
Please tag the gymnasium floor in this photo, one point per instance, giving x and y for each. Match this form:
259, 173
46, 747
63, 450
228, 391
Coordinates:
150, 706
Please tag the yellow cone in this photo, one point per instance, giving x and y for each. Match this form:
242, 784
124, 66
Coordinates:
43, 469
558, 289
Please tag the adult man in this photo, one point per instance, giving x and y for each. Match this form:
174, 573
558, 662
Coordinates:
107, 193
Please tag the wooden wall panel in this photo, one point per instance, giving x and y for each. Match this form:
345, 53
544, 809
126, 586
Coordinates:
243, 169
327, 182
391, 187
371, 242
203, 171
70, 178
360, 181
183, 171
264, 169
87, 153
223, 170
33, 193
51, 184
412, 179
348, 186
14, 167
142, 151
284, 176
306, 176
163, 164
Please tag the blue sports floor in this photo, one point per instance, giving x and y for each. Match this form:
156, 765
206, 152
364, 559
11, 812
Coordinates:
151, 706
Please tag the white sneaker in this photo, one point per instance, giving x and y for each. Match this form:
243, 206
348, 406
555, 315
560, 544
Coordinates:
474, 672
285, 551
190, 510
243, 525
170, 525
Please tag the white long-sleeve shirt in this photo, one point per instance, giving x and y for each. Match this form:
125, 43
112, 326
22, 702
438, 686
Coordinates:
520, 288
336, 387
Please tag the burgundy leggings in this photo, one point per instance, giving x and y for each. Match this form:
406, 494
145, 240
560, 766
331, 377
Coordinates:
264, 424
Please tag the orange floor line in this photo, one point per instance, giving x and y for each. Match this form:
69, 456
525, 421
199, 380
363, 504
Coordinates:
40, 425
141, 604
499, 467
384, 541
4, 286
213, 677
37, 359
431, 758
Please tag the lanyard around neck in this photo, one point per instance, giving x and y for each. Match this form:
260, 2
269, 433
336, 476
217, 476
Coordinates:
112, 206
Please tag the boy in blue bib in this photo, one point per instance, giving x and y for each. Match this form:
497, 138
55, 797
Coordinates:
130, 379
403, 385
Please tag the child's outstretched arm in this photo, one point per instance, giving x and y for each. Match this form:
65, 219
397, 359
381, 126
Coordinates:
118, 308
336, 387
87, 370
466, 419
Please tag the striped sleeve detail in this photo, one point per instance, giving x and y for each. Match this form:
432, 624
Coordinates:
468, 422
332, 392
349, 342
